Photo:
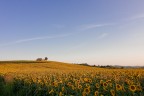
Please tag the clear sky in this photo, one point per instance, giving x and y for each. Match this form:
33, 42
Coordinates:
77, 31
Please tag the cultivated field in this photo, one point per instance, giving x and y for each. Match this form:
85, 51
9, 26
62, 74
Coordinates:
31, 78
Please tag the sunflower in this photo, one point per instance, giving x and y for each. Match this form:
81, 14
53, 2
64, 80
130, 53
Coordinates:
89, 80
112, 92
105, 84
139, 88
69, 84
97, 85
86, 79
118, 87
96, 93
128, 81
101, 82
108, 81
87, 85
87, 90
79, 86
78, 81
132, 88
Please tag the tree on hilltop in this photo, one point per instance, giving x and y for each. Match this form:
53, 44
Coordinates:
46, 59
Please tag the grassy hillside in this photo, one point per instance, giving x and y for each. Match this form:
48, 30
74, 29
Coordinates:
35, 66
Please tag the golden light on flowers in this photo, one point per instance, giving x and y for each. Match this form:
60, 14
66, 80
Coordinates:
89, 80
79, 86
132, 88
97, 85
69, 83
138, 88
88, 85
78, 81
86, 81
118, 87
87, 90
101, 81
127, 81
96, 93
105, 84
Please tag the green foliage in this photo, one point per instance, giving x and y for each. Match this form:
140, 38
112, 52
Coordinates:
2, 83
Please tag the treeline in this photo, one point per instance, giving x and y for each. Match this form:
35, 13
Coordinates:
103, 66
109, 66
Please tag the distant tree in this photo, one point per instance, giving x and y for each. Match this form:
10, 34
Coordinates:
84, 64
46, 59
122, 67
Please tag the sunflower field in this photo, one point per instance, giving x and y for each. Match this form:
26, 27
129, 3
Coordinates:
61, 79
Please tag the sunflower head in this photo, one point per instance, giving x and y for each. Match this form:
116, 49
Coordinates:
69, 84
89, 80
79, 86
132, 88
118, 87
86, 79
96, 93
101, 81
97, 85
87, 90
138, 88
105, 84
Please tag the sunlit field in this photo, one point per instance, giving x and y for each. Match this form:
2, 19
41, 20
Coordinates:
31, 78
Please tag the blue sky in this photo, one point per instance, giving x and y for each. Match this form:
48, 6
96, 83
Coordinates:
77, 31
